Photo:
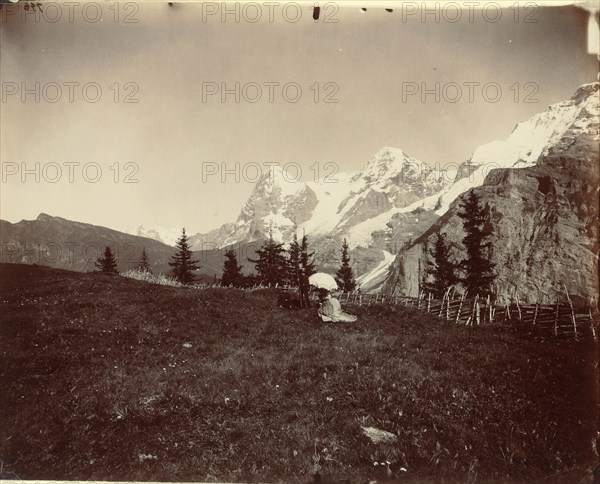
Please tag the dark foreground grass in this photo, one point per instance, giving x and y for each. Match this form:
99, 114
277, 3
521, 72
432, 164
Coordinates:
97, 384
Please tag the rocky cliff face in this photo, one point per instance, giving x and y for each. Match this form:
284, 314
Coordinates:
544, 216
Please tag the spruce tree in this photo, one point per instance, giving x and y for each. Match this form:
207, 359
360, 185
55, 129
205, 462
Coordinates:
271, 264
478, 267
144, 264
307, 269
294, 262
182, 264
440, 273
344, 276
306, 258
107, 263
232, 272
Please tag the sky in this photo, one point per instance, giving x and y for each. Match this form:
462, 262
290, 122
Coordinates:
180, 156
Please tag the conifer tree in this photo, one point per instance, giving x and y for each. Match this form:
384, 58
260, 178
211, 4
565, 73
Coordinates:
144, 265
440, 273
306, 258
306, 269
182, 264
294, 262
271, 264
478, 267
344, 276
107, 263
232, 272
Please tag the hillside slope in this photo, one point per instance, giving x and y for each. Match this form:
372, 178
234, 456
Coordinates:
106, 378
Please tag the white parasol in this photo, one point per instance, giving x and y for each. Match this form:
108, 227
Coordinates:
323, 281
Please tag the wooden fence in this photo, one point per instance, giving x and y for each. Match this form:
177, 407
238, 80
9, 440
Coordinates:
558, 319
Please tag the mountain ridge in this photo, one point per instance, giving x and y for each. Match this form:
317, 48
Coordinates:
330, 207
65, 244
394, 203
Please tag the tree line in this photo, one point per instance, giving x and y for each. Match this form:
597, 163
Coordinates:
274, 264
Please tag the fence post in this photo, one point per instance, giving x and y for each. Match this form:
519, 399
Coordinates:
460, 305
471, 312
519, 308
443, 299
429, 302
592, 319
556, 320
537, 305
572, 310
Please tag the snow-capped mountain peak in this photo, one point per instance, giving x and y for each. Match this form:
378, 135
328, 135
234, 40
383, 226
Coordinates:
386, 163
162, 234
527, 142
284, 182
275, 195
391, 180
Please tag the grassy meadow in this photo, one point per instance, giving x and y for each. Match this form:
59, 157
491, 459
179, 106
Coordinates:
109, 378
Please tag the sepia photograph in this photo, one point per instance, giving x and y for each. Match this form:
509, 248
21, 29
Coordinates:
349, 242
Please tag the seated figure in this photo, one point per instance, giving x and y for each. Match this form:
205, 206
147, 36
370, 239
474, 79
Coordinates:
330, 309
